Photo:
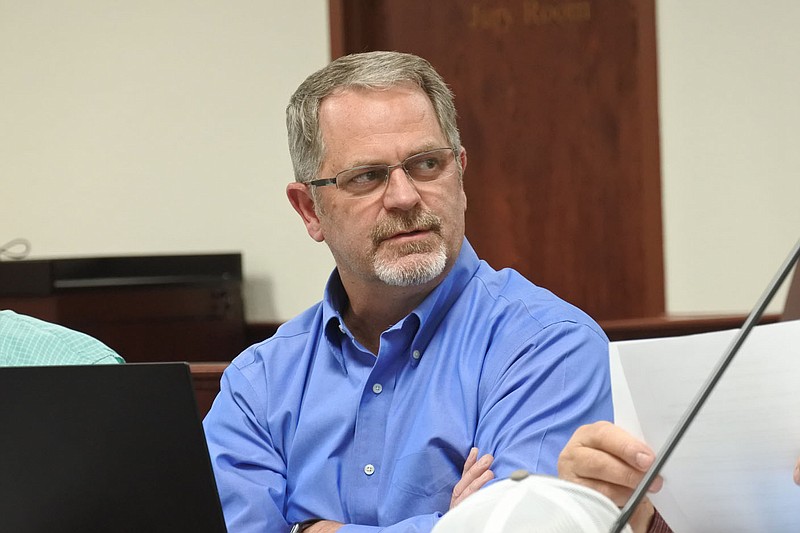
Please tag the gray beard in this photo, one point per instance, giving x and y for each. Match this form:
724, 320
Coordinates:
413, 263
416, 267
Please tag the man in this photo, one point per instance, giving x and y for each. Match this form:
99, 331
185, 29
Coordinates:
367, 412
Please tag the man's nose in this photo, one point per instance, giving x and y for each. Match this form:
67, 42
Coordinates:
401, 192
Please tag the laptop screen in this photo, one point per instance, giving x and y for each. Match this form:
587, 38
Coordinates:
111, 448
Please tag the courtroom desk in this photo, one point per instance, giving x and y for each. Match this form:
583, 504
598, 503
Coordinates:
673, 325
205, 377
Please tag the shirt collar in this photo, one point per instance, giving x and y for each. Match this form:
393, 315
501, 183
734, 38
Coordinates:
435, 307
430, 312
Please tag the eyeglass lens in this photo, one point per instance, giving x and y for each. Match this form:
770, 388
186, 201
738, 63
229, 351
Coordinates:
422, 167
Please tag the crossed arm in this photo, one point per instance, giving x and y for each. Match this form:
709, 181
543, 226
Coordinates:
476, 474
601, 456
522, 410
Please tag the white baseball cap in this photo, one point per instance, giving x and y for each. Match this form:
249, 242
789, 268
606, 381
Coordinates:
526, 503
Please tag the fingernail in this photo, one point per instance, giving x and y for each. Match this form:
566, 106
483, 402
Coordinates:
643, 460
797, 474
486, 460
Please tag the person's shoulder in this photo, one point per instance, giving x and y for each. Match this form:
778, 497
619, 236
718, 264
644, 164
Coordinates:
515, 298
27, 340
290, 338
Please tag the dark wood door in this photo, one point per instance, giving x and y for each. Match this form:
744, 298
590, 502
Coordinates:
558, 111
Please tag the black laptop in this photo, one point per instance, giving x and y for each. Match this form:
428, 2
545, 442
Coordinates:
116, 448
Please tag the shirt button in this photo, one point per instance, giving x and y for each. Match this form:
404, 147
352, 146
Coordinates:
369, 470
341, 327
416, 355
377, 388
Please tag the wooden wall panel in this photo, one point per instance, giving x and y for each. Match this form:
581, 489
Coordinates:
791, 310
557, 108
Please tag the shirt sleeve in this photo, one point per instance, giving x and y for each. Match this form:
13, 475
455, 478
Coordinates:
658, 525
249, 471
547, 385
415, 524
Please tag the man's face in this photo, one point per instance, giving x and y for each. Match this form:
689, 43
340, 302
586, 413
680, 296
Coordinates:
408, 233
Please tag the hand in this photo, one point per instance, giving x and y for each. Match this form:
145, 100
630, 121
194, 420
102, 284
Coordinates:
475, 475
324, 526
606, 458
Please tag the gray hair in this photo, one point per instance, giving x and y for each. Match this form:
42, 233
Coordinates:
371, 70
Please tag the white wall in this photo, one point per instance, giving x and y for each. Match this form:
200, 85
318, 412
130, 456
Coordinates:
730, 137
157, 127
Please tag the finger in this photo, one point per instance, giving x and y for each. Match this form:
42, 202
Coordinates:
581, 464
478, 483
797, 472
477, 469
469, 465
619, 494
616, 493
471, 460
615, 441
473, 487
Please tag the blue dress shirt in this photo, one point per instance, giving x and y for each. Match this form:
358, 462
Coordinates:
310, 424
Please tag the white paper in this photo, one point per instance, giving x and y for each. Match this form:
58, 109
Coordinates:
732, 470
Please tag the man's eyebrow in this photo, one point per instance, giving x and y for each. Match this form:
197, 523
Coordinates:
366, 163
427, 147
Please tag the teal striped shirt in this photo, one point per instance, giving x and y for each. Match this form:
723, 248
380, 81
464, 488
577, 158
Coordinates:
28, 341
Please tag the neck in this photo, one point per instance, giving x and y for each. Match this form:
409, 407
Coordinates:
371, 312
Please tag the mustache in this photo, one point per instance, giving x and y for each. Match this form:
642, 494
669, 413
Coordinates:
405, 222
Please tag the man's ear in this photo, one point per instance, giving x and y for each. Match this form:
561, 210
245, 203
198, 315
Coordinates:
462, 156
300, 197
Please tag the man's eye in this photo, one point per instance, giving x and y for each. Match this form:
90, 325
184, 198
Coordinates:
363, 178
426, 165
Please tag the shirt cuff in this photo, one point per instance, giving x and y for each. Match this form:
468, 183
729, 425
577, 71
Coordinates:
658, 525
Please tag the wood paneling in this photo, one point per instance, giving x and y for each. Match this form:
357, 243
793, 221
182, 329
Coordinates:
151, 308
673, 326
558, 111
791, 310
205, 379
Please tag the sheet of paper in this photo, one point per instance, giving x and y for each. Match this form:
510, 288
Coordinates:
732, 471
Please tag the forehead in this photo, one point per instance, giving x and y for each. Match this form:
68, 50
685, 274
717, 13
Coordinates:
399, 117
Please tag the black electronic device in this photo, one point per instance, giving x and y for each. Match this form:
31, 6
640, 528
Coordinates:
105, 448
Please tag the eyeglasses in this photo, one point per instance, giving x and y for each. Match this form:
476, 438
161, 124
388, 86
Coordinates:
364, 180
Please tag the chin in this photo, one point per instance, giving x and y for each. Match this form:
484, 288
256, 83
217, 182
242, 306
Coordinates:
413, 269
